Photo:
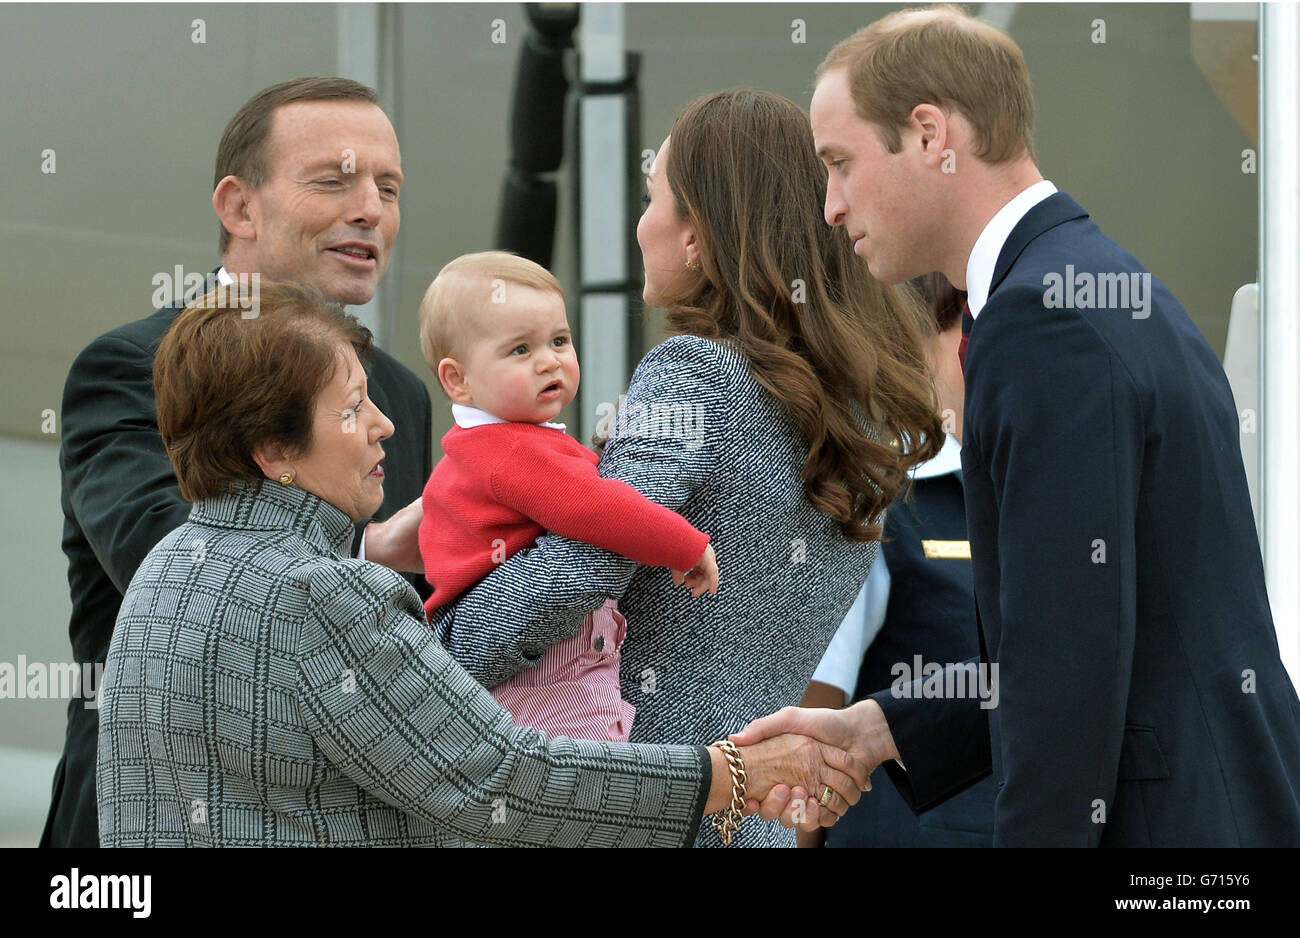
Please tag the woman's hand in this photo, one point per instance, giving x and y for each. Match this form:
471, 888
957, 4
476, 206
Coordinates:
795, 762
703, 577
861, 730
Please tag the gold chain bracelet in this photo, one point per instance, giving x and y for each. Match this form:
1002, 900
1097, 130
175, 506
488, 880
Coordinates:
727, 821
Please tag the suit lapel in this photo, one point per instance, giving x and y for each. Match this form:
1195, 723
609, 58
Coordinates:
1054, 210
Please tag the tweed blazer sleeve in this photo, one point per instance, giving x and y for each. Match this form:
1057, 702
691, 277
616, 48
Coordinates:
675, 412
389, 707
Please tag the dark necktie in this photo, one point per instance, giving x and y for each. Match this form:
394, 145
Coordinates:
966, 322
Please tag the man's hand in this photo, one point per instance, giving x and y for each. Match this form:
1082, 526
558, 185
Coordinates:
396, 542
861, 731
703, 578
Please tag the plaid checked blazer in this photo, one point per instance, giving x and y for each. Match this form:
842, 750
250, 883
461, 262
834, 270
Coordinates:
262, 688
697, 434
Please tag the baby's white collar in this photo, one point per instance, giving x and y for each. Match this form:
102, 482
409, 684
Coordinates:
467, 417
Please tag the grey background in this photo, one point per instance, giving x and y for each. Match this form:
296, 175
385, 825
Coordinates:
134, 111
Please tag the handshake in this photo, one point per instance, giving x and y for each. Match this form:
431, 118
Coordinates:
806, 768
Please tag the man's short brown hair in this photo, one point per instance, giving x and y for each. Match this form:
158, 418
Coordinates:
226, 384
242, 151
946, 57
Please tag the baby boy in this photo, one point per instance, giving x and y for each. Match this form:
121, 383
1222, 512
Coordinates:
494, 331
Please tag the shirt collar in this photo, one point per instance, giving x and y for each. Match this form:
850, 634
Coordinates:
984, 256
264, 505
223, 276
467, 417
946, 461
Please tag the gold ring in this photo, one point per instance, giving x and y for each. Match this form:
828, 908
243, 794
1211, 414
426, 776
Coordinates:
825, 799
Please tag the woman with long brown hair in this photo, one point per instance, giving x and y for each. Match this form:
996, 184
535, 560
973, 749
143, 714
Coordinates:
780, 416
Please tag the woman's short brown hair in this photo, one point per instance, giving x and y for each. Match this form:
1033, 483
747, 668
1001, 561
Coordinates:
227, 382
942, 56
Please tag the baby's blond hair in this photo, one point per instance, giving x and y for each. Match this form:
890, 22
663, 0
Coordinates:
463, 289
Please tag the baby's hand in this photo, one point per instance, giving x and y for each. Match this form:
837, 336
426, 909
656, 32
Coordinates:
703, 578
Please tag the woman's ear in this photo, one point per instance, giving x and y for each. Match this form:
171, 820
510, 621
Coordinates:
273, 460
451, 375
230, 201
692, 247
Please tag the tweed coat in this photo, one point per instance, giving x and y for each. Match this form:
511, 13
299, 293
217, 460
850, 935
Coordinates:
263, 688
698, 434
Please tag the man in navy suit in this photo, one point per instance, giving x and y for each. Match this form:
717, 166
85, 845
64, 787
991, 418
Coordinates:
1118, 578
306, 188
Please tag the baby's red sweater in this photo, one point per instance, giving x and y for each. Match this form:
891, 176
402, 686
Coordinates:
500, 486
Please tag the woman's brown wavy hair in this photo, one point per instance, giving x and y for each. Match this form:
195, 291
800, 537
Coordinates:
833, 344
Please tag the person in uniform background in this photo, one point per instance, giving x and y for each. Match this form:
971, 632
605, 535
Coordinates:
918, 600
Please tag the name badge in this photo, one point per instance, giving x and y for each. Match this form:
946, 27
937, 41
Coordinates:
946, 550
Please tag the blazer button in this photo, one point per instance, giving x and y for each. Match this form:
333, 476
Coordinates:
599, 643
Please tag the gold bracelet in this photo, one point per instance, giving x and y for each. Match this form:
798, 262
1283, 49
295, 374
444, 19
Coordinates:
727, 821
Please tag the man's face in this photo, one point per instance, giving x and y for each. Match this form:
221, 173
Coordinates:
327, 213
873, 193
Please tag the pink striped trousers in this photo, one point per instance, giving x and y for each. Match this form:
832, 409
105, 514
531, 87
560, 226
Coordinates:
573, 691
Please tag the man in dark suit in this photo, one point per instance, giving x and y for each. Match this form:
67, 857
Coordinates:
1118, 579
307, 180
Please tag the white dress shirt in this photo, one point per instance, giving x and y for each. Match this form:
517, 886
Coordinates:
984, 256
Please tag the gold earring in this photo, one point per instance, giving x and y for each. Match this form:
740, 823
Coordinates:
693, 265
286, 478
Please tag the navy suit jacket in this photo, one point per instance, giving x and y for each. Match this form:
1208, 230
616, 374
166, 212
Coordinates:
120, 497
1118, 578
